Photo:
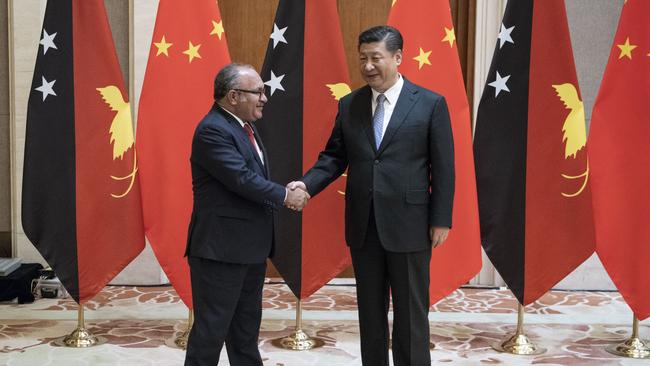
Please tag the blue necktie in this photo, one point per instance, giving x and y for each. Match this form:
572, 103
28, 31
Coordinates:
378, 120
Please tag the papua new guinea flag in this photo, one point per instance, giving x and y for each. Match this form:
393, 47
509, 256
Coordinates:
306, 74
531, 160
81, 196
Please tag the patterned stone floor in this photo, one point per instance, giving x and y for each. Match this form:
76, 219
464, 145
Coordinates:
137, 321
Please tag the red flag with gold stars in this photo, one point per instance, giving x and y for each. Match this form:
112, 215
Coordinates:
431, 61
188, 48
619, 154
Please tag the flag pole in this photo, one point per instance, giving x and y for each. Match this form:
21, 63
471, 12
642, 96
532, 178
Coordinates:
80, 337
519, 343
634, 347
298, 340
181, 340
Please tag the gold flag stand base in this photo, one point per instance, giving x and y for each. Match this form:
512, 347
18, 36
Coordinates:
298, 340
634, 347
80, 337
519, 343
180, 341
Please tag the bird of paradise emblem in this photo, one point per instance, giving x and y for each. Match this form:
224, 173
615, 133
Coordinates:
575, 133
121, 133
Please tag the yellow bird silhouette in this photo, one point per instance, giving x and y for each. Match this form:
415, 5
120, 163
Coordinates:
121, 130
339, 90
575, 132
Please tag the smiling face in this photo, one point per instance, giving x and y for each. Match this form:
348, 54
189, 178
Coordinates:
247, 104
378, 66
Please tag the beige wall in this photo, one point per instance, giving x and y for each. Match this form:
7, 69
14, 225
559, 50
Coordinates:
5, 181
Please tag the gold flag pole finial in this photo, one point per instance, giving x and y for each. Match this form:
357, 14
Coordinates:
180, 341
634, 347
298, 340
519, 343
80, 337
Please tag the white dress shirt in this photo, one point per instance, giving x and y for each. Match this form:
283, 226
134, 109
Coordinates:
392, 94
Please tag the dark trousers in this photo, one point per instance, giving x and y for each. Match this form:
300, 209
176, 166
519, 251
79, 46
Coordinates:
227, 302
380, 273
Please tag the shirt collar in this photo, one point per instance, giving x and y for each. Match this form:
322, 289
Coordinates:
237, 118
392, 93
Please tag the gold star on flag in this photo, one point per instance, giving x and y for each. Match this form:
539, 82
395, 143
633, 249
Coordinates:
393, 4
192, 51
217, 28
422, 58
162, 46
449, 36
626, 49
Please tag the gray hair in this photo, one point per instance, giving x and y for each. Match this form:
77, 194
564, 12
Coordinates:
227, 79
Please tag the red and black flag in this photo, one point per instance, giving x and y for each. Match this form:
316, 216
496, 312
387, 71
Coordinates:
620, 156
431, 60
306, 73
530, 154
187, 50
81, 196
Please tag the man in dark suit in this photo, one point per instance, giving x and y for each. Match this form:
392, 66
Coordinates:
231, 232
395, 139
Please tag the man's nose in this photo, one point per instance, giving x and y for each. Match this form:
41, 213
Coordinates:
264, 99
367, 66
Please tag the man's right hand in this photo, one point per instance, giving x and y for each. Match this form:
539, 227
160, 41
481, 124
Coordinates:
297, 197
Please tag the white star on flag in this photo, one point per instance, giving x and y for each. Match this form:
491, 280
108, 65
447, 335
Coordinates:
46, 88
504, 35
278, 35
48, 41
274, 83
500, 84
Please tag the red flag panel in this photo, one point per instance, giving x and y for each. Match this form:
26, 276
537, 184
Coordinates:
325, 80
188, 48
559, 225
431, 60
620, 157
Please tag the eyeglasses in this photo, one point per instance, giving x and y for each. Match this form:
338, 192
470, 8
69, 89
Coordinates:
258, 92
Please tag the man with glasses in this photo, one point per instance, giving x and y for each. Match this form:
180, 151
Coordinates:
231, 231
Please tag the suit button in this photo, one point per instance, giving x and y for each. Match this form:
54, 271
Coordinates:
376, 162
370, 190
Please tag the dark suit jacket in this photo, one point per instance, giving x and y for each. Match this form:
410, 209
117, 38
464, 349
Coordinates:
234, 214
409, 180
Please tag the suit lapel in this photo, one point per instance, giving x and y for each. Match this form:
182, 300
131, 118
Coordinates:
265, 166
240, 133
405, 101
364, 106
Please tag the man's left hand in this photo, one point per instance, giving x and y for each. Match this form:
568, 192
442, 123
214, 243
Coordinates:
438, 235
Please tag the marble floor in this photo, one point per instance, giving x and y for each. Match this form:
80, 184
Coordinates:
138, 321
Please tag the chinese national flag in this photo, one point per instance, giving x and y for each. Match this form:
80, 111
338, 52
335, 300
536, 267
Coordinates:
306, 73
81, 196
188, 49
430, 59
531, 161
619, 151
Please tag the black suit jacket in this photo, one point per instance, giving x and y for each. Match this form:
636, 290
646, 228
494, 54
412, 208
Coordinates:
235, 204
409, 180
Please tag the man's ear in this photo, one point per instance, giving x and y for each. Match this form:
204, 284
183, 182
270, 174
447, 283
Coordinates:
232, 97
398, 57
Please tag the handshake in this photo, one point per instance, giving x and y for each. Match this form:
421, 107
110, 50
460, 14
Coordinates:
297, 196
